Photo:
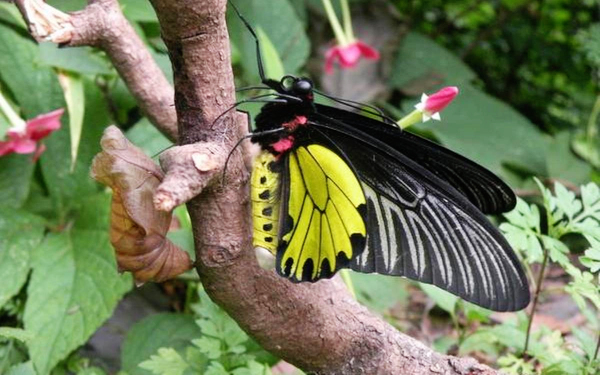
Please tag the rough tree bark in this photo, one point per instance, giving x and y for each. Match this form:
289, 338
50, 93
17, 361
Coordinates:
317, 327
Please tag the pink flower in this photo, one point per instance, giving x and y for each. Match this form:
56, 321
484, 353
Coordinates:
348, 55
24, 140
431, 106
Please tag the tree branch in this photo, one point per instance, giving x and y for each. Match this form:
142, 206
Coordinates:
102, 24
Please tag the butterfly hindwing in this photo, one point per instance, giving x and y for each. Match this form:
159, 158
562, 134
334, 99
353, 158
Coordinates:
323, 214
423, 228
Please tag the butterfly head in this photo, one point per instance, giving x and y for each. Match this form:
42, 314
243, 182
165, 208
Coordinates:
300, 87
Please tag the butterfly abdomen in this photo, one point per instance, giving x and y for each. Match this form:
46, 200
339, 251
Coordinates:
264, 186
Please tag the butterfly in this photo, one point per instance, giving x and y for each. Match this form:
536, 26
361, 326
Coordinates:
334, 189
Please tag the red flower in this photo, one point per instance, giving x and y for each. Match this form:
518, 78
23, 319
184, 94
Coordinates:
348, 55
25, 140
432, 105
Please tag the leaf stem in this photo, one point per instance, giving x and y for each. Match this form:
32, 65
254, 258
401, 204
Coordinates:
347, 20
538, 288
335, 23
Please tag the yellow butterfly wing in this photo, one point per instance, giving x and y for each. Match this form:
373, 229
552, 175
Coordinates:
323, 213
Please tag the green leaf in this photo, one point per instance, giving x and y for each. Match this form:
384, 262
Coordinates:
484, 129
287, 34
35, 87
68, 186
82, 60
210, 347
586, 342
252, 368
525, 216
588, 150
10, 14
591, 259
557, 250
22, 369
20, 234
75, 97
215, 368
167, 362
590, 196
513, 365
379, 292
481, 341
420, 60
443, 299
15, 333
563, 163
581, 287
74, 288
564, 367
151, 333
145, 136
566, 201
138, 11
273, 65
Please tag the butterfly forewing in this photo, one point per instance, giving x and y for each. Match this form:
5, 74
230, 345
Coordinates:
323, 214
480, 186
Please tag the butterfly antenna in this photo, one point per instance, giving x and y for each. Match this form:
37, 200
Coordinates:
261, 70
163, 150
359, 106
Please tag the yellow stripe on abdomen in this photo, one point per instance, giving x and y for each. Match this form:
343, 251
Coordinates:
264, 193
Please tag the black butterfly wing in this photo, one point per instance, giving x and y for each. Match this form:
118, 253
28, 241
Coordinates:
422, 228
480, 186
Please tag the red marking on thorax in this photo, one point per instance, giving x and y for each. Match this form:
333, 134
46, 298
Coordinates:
283, 144
295, 123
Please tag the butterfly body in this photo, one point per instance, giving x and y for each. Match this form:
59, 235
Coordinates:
347, 191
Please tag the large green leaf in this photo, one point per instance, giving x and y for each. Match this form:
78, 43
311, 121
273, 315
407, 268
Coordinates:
15, 176
35, 88
280, 22
145, 136
379, 292
66, 185
22, 369
562, 162
74, 287
157, 331
421, 62
83, 60
490, 132
20, 234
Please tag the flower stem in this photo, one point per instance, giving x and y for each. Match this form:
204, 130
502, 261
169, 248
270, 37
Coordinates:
15, 121
347, 20
410, 119
335, 23
538, 288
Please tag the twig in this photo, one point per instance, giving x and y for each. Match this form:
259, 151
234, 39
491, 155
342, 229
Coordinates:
597, 351
538, 288
102, 24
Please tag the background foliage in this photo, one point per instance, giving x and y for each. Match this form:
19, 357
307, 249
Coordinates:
528, 72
